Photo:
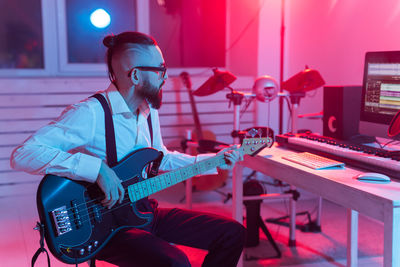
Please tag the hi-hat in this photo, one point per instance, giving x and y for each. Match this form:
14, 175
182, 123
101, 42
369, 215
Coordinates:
215, 83
394, 127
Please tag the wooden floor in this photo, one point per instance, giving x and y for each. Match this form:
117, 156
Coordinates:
19, 241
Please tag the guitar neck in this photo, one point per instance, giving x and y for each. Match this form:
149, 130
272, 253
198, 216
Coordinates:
155, 184
188, 84
196, 118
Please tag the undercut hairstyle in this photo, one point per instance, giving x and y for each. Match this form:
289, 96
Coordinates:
118, 43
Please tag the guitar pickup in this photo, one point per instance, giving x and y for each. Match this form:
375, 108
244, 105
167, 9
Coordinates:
61, 220
75, 211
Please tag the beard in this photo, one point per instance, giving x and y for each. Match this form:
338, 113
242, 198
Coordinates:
151, 93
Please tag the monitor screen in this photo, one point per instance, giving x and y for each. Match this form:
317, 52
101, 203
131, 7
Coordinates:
380, 92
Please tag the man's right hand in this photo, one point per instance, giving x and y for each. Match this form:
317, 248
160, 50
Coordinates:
111, 186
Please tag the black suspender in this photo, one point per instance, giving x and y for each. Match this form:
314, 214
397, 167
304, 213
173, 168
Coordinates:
111, 148
150, 128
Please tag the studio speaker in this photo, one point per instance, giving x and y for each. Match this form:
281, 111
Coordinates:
342, 106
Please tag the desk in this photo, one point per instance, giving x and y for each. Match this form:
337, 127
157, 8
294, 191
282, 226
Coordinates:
379, 201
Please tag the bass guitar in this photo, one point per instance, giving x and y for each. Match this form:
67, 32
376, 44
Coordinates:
77, 226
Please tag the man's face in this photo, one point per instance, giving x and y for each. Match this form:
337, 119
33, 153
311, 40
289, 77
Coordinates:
151, 78
151, 93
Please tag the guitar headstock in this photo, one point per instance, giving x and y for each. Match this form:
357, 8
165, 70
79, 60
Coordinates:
253, 145
186, 80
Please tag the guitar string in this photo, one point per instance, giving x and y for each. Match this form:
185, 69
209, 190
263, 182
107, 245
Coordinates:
102, 208
126, 194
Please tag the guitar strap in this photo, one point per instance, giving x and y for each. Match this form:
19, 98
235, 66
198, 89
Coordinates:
111, 148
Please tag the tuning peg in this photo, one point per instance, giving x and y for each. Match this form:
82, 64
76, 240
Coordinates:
260, 132
252, 132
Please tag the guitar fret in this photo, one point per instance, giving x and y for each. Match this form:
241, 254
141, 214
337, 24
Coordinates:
196, 170
148, 187
178, 175
136, 189
168, 181
163, 185
140, 187
173, 179
131, 195
158, 182
144, 188
153, 185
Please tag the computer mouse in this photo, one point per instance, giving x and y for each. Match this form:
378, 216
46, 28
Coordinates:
373, 177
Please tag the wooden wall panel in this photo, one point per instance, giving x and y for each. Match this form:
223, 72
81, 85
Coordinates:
30, 103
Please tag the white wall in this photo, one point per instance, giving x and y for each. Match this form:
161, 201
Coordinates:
269, 57
330, 36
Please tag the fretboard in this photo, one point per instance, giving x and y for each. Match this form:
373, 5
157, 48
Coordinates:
155, 184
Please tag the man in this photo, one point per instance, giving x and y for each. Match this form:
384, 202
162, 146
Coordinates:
74, 146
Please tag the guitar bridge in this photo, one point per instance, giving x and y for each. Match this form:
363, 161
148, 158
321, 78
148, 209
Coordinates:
61, 220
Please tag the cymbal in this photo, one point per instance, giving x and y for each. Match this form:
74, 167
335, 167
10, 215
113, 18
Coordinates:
394, 127
215, 83
304, 81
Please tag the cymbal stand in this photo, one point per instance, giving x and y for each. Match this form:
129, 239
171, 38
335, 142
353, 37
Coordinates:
311, 226
236, 97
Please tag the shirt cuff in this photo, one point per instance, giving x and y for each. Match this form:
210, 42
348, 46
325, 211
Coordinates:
88, 168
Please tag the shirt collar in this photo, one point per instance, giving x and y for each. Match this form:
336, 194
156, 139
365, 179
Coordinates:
118, 104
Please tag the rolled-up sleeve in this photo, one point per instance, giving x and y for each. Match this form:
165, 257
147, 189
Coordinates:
50, 149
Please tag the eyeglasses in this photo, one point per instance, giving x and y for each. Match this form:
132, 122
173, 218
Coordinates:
159, 70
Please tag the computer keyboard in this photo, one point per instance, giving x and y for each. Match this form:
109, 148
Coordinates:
313, 161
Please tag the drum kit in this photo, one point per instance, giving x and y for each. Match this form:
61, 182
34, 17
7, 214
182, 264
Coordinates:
265, 89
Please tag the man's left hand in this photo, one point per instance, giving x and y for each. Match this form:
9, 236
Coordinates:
232, 155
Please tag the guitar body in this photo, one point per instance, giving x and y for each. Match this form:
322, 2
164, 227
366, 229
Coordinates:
77, 226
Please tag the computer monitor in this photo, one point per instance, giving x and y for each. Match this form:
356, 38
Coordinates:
380, 92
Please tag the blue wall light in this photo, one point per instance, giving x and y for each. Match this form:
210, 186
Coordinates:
100, 18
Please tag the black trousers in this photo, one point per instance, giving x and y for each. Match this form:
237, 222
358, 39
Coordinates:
223, 238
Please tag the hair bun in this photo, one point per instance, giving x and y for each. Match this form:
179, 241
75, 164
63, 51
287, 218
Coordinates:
110, 41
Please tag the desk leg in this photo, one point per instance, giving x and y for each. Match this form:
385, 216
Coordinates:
391, 247
292, 218
319, 212
237, 198
352, 238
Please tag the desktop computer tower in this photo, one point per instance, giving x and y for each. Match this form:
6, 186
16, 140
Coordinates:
342, 106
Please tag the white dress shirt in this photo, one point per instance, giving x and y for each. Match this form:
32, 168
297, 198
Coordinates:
74, 144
